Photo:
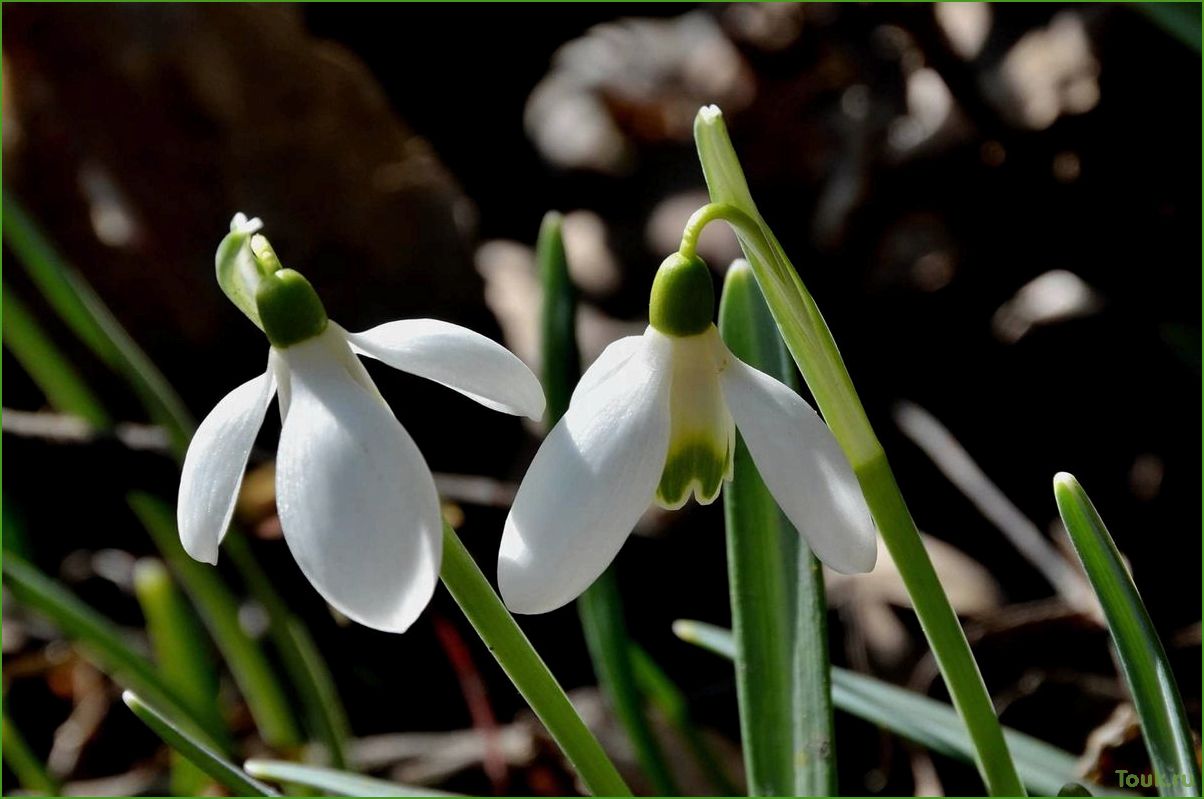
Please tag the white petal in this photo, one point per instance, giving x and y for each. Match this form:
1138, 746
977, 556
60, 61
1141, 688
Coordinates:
213, 468
803, 467
616, 354
356, 499
593, 476
456, 357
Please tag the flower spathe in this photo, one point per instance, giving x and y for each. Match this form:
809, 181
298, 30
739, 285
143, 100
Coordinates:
356, 500
654, 419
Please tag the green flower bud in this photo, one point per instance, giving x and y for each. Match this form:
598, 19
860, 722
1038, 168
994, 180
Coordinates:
289, 308
683, 296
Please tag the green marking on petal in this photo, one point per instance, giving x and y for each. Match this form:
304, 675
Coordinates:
702, 434
695, 466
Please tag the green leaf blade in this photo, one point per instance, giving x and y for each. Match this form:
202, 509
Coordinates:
779, 619
198, 752
219, 609
181, 653
1142, 657
332, 781
103, 643
935, 725
65, 390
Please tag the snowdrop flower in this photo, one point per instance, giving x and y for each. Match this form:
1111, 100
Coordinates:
655, 418
356, 499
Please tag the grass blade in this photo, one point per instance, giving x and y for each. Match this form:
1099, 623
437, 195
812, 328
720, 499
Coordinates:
332, 781
306, 667
523, 665
65, 390
560, 361
31, 774
103, 644
669, 700
601, 606
779, 613
182, 654
1143, 661
201, 755
935, 725
219, 610
84, 312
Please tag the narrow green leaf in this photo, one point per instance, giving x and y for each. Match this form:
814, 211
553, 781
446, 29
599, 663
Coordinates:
1180, 20
601, 610
181, 651
525, 668
601, 606
332, 781
65, 390
200, 754
29, 770
102, 642
666, 697
935, 725
560, 359
779, 613
219, 610
813, 348
85, 313
306, 667
1142, 658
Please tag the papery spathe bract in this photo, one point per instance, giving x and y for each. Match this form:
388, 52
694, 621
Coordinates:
654, 418
356, 500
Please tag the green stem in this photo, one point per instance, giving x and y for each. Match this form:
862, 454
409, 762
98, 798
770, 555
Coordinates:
939, 622
525, 668
814, 350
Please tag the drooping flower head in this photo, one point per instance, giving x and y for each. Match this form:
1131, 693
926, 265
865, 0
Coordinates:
655, 419
356, 500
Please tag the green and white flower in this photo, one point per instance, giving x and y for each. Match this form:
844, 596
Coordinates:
655, 419
356, 499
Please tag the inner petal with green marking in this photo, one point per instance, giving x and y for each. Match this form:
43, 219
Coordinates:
702, 434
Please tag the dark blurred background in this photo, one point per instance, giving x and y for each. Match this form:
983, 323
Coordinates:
996, 207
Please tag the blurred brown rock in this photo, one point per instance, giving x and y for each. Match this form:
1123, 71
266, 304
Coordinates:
134, 132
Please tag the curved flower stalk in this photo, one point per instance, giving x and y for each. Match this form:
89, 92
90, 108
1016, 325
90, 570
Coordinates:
356, 499
654, 418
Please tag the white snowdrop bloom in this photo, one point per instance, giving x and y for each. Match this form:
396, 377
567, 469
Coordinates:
655, 419
356, 499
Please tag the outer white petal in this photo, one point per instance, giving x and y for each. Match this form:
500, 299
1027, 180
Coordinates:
356, 499
593, 476
213, 468
616, 354
803, 467
456, 357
